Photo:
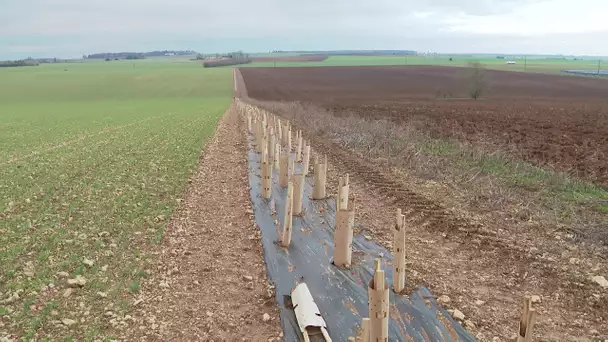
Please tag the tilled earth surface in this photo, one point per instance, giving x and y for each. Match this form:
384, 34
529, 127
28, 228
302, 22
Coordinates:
211, 282
549, 120
482, 262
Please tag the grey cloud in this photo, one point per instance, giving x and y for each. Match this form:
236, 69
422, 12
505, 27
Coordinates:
88, 26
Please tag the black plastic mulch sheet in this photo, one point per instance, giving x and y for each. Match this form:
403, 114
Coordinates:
340, 294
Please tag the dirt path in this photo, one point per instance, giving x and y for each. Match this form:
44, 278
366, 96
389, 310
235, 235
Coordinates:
213, 284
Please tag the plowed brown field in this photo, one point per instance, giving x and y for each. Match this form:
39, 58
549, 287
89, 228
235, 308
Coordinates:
549, 120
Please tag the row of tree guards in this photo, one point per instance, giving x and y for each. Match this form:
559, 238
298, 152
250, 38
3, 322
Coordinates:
273, 140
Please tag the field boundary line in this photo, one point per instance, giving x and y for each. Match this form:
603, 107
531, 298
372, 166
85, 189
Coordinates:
73, 141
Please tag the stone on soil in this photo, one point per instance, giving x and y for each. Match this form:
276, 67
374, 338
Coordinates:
458, 315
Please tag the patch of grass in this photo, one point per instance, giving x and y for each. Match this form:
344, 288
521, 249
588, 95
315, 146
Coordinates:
135, 286
436, 147
90, 159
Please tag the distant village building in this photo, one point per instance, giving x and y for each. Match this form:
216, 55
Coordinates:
170, 54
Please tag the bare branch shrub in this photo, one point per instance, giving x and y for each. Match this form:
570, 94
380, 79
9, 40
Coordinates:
477, 80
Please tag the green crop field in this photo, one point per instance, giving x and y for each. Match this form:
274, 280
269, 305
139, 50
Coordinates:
94, 157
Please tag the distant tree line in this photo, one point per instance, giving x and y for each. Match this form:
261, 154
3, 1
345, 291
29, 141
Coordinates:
138, 55
19, 63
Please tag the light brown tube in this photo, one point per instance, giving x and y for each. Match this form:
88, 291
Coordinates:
277, 156
343, 239
343, 196
378, 294
299, 148
318, 192
526, 322
306, 160
399, 254
271, 149
284, 170
364, 330
287, 221
266, 179
298, 193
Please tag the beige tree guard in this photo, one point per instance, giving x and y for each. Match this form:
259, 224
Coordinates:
284, 170
343, 188
263, 143
280, 131
277, 157
266, 175
259, 136
285, 130
318, 191
364, 330
399, 252
255, 133
526, 322
298, 193
343, 235
299, 147
287, 221
378, 296
271, 148
306, 160
310, 321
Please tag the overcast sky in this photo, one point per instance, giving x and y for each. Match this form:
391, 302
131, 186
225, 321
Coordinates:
70, 28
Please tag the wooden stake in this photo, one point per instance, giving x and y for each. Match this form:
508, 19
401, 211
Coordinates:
306, 161
399, 253
318, 191
287, 221
284, 170
364, 330
288, 146
378, 294
527, 321
249, 123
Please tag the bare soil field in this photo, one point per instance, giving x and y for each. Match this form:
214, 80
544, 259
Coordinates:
549, 120
303, 58
472, 239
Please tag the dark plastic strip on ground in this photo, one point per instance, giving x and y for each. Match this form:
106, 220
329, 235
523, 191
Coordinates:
341, 294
